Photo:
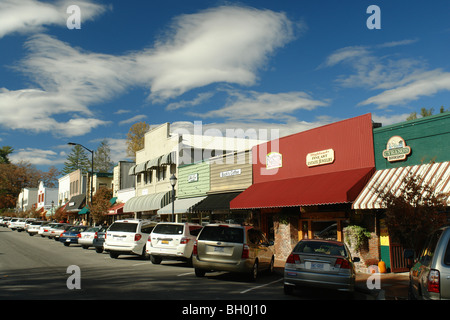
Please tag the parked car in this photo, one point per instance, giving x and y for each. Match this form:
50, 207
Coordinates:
320, 263
48, 228
5, 221
34, 226
429, 278
128, 237
72, 235
56, 231
99, 240
232, 248
87, 237
16, 223
172, 241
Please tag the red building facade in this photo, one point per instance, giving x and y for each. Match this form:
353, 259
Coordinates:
304, 184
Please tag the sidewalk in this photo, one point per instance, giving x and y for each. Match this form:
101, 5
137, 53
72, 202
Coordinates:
392, 286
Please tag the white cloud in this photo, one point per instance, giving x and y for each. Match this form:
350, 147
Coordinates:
36, 156
263, 106
224, 44
134, 119
30, 16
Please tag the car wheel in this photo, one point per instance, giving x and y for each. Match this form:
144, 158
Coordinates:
114, 255
199, 272
67, 244
254, 272
99, 250
85, 247
145, 255
155, 259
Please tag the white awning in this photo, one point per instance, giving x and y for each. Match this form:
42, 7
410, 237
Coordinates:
181, 205
436, 175
147, 202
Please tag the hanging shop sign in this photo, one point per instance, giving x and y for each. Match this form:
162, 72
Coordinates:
192, 178
396, 149
319, 158
274, 160
229, 173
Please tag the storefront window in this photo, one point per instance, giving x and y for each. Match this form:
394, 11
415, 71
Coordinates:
324, 230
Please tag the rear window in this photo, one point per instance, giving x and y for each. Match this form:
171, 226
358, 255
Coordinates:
224, 234
168, 229
123, 227
447, 254
319, 247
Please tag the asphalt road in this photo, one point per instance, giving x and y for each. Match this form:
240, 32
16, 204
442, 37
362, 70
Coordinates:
37, 268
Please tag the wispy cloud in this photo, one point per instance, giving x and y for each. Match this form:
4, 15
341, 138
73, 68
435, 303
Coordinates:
36, 156
134, 119
263, 106
31, 16
225, 44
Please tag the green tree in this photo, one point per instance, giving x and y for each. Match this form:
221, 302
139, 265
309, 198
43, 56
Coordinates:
77, 159
102, 158
4, 152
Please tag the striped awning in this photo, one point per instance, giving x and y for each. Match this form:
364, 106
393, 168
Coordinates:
168, 158
436, 175
153, 164
131, 171
140, 167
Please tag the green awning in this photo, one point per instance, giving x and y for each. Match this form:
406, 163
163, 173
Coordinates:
84, 210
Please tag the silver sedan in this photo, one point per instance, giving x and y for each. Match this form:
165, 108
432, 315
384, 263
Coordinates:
320, 263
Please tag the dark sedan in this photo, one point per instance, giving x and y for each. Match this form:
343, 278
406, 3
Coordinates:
71, 236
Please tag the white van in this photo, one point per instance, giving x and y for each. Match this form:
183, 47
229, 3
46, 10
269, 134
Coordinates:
128, 237
172, 241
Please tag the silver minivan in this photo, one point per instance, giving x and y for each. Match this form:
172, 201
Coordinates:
430, 275
232, 248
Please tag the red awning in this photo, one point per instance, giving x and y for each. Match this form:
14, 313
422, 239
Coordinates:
116, 209
327, 188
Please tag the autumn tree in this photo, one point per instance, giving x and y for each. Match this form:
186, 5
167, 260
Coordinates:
100, 204
413, 211
135, 138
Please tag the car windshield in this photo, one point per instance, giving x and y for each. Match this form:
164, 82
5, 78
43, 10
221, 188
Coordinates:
168, 229
321, 247
123, 226
222, 233
93, 229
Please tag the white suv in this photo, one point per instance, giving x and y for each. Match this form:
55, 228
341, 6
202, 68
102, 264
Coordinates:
172, 241
128, 237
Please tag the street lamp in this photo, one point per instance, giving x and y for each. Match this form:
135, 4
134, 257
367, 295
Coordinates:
92, 166
173, 182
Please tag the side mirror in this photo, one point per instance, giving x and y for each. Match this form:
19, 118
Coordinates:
356, 259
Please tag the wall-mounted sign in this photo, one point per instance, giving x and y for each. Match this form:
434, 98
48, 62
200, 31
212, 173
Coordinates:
319, 158
230, 173
396, 149
274, 160
193, 178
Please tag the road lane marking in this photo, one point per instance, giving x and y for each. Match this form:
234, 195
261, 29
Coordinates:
261, 286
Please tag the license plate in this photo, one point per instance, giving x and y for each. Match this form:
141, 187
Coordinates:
67, 240
316, 266
218, 249
165, 242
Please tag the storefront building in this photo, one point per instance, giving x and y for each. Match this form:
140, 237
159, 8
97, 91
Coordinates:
230, 174
304, 184
164, 152
193, 185
420, 147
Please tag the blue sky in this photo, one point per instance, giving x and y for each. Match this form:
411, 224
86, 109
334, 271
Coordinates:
287, 65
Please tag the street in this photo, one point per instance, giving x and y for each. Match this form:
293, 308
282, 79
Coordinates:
38, 268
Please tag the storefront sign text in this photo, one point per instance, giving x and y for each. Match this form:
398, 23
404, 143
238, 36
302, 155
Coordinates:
396, 149
230, 173
320, 158
193, 178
